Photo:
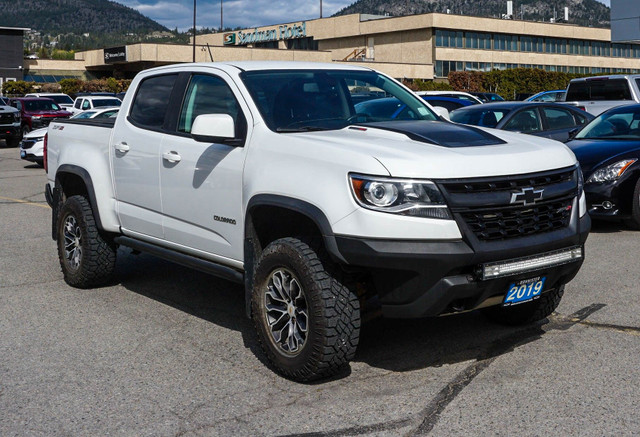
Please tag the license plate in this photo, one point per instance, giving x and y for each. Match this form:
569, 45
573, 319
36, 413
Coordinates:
524, 291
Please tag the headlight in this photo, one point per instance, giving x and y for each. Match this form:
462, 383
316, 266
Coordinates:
36, 117
611, 172
16, 116
416, 198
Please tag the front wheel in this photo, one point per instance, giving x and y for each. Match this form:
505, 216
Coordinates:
307, 321
87, 259
527, 312
634, 221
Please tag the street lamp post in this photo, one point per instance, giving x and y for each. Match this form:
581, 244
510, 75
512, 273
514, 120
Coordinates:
194, 30
320, 8
221, 26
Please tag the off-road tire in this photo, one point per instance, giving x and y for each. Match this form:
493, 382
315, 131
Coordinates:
96, 260
527, 312
634, 221
333, 322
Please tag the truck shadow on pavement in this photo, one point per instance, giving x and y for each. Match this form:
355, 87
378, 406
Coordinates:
395, 345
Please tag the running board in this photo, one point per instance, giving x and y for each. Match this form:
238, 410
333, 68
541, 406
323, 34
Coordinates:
193, 262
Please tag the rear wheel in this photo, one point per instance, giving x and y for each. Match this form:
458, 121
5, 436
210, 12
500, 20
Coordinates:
307, 321
87, 259
527, 312
634, 221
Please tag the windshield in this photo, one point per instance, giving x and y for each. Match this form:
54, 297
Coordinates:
622, 123
303, 100
41, 105
97, 103
479, 117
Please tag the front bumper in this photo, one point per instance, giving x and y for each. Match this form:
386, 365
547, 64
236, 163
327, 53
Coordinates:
10, 132
610, 200
426, 278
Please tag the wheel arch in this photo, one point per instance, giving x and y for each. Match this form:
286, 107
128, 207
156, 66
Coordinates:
75, 180
295, 217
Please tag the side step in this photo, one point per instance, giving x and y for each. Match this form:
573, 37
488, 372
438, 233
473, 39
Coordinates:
193, 262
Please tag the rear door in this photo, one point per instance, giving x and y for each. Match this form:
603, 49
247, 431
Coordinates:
135, 152
201, 182
558, 122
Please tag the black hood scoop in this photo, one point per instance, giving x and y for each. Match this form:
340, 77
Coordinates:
439, 133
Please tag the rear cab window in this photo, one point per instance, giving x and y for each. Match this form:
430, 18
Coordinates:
599, 89
151, 102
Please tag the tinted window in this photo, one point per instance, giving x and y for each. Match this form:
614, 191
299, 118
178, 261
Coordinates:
61, 99
558, 118
40, 105
611, 89
526, 120
78, 103
484, 118
98, 103
208, 95
447, 104
152, 100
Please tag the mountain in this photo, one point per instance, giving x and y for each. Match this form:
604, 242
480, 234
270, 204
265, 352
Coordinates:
101, 19
582, 12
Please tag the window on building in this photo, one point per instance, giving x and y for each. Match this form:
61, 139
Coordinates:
505, 42
307, 43
555, 45
480, 41
448, 38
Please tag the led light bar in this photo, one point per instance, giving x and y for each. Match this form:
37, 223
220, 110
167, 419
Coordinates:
531, 263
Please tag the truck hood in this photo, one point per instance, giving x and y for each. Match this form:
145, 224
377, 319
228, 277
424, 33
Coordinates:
443, 150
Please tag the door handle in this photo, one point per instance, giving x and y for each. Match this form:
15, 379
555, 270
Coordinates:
122, 147
171, 156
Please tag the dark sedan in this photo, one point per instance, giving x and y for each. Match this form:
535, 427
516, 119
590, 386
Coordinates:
608, 150
551, 120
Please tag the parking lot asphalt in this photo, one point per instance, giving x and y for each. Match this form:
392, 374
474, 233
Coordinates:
167, 351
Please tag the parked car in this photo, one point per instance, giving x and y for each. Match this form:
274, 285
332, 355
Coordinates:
389, 108
448, 103
547, 96
488, 97
10, 125
92, 102
60, 98
4, 101
597, 94
608, 150
551, 120
454, 94
264, 174
32, 144
37, 112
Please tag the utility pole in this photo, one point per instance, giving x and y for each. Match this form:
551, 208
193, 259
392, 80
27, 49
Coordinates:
320, 8
221, 27
194, 30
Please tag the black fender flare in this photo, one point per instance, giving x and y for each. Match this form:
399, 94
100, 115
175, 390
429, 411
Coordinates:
307, 209
86, 178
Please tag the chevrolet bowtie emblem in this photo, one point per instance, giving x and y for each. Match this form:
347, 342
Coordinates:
527, 196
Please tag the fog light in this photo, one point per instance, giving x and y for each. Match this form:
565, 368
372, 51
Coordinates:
607, 205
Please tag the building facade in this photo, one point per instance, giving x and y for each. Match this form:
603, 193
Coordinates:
11, 54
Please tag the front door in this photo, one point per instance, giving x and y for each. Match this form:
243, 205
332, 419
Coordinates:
201, 182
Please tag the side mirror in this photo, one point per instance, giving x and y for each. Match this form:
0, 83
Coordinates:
442, 112
573, 132
215, 128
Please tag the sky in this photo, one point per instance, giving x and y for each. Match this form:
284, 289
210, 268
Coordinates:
236, 13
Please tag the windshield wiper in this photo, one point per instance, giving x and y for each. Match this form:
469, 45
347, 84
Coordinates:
301, 129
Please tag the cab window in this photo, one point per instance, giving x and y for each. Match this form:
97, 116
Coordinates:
209, 95
151, 101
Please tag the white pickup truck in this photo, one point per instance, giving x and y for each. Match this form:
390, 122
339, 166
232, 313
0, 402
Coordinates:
263, 173
601, 93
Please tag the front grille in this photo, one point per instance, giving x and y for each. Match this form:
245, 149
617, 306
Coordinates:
7, 119
27, 144
514, 183
484, 205
521, 221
